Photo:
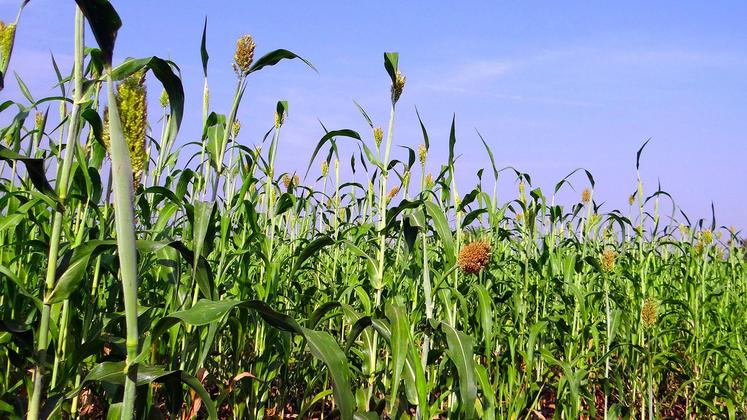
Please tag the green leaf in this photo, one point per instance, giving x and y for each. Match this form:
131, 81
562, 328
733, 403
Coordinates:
399, 344
638, 155
324, 347
490, 155
442, 228
164, 72
460, 353
115, 372
284, 203
105, 24
391, 60
312, 248
328, 136
487, 391
272, 58
203, 49
35, 169
422, 128
452, 141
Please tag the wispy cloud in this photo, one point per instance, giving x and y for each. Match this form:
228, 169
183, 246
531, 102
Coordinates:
482, 71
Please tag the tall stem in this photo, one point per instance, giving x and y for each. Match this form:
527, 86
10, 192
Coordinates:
54, 241
124, 225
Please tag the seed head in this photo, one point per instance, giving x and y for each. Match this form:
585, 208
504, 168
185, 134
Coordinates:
7, 36
586, 195
279, 119
244, 55
684, 230
105, 131
522, 192
235, 128
296, 180
406, 177
699, 247
422, 154
398, 86
648, 312
164, 99
38, 120
325, 168
706, 236
519, 217
378, 134
392, 193
631, 199
608, 260
133, 114
429, 181
474, 257
287, 180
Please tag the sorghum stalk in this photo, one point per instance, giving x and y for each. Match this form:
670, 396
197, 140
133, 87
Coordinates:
62, 190
124, 225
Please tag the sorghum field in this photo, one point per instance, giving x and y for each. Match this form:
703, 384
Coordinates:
137, 285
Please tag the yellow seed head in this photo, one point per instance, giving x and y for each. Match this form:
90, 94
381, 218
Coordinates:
378, 134
398, 86
429, 181
519, 217
244, 55
648, 312
235, 128
707, 236
608, 260
586, 195
684, 230
631, 199
105, 131
279, 119
133, 114
406, 177
522, 192
296, 180
7, 36
422, 154
38, 120
699, 247
325, 168
474, 257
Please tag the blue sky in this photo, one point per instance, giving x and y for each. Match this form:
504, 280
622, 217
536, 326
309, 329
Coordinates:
552, 87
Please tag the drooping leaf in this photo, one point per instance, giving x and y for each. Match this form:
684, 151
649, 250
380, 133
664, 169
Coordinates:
274, 57
105, 24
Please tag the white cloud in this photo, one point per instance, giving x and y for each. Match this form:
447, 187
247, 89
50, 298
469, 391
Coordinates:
482, 71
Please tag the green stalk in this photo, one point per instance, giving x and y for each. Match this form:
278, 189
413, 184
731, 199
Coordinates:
54, 244
226, 135
379, 284
124, 225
